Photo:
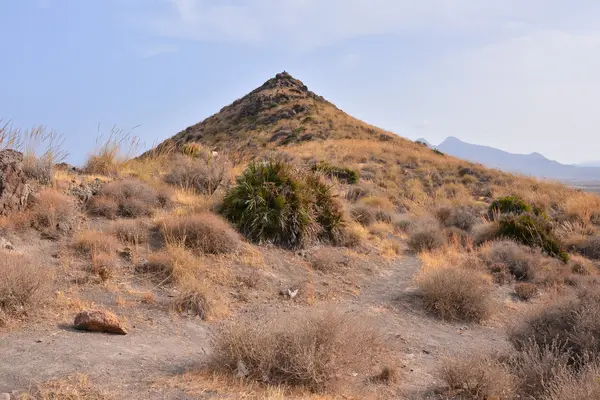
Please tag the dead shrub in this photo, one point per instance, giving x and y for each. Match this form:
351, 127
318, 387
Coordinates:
537, 366
174, 264
426, 235
204, 233
478, 377
402, 223
526, 291
203, 174
133, 232
388, 375
103, 265
459, 217
576, 386
586, 246
93, 242
485, 232
193, 301
23, 285
300, 349
132, 198
582, 266
572, 325
362, 214
455, 293
52, 212
328, 259
521, 261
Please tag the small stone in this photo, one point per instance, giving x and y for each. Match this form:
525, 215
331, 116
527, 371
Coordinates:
6, 244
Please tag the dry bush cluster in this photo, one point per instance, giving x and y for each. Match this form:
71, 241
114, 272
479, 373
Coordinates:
204, 233
203, 174
455, 293
132, 231
128, 198
426, 235
554, 358
311, 350
24, 285
52, 212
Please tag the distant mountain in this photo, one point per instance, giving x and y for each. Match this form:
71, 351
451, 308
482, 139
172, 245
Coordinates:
589, 164
533, 164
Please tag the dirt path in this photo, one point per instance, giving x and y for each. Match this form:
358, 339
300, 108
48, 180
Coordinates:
422, 339
129, 364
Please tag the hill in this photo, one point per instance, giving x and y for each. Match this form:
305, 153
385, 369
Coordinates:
312, 257
533, 164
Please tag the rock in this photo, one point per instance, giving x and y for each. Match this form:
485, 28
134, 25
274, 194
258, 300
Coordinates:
6, 244
99, 321
83, 192
14, 189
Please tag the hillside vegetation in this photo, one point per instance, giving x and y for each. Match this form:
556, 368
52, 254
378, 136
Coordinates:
318, 254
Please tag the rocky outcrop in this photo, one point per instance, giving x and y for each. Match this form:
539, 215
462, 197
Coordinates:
99, 321
14, 190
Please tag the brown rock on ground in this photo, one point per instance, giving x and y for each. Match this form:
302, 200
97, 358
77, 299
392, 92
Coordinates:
14, 190
99, 321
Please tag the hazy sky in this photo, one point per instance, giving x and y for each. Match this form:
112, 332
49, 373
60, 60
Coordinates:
521, 75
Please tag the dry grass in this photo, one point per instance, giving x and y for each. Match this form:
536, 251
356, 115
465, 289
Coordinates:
304, 349
174, 264
576, 386
526, 291
129, 198
455, 293
478, 377
574, 325
426, 235
91, 242
135, 232
328, 259
52, 212
24, 285
112, 152
204, 233
203, 174
198, 300
520, 261
75, 387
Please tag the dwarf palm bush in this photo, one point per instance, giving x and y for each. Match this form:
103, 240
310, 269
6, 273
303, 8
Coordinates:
274, 202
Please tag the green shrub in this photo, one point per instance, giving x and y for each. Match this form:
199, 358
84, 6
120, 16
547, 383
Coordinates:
345, 175
532, 231
509, 205
274, 202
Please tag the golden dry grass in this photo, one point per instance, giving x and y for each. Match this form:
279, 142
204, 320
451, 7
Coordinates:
74, 387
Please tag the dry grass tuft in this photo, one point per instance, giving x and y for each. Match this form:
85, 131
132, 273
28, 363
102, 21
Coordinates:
478, 377
526, 291
75, 387
304, 349
129, 198
174, 264
572, 325
203, 174
426, 235
134, 231
112, 152
520, 261
94, 242
24, 285
52, 212
204, 233
454, 293
195, 300
576, 386
328, 259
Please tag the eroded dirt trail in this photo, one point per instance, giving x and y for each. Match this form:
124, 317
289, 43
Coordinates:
127, 365
422, 339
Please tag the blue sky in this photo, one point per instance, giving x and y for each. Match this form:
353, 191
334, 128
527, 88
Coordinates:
518, 75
